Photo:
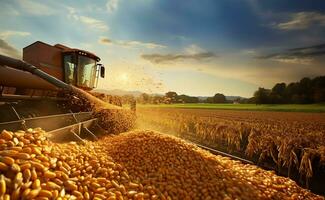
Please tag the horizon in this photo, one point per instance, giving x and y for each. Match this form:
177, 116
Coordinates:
162, 94
195, 48
203, 96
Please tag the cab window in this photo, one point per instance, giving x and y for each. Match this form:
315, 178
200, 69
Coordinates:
69, 68
86, 72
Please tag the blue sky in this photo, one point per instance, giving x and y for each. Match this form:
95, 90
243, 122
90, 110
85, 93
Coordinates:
192, 47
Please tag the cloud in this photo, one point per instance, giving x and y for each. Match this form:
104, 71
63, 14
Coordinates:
9, 10
309, 48
89, 21
302, 20
191, 52
94, 23
135, 43
111, 5
7, 34
295, 60
130, 44
194, 49
166, 58
249, 52
35, 8
72, 14
302, 55
104, 40
7, 49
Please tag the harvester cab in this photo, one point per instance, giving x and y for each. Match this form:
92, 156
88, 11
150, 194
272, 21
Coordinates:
73, 66
82, 68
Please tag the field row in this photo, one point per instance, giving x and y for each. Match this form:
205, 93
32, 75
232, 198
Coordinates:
295, 141
315, 108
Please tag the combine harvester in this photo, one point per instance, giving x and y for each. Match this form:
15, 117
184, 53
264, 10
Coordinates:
50, 88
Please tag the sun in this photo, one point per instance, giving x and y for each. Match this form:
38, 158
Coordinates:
124, 77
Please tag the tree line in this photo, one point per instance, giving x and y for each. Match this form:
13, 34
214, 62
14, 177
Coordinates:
172, 97
306, 91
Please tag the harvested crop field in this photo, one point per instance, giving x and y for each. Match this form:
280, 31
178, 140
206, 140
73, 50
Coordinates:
291, 143
132, 165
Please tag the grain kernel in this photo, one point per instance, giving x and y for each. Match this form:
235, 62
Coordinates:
45, 193
33, 174
36, 184
49, 174
27, 174
7, 160
24, 156
3, 167
70, 185
2, 185
52, 186
6, 135
34, 193
15, 168
25, 166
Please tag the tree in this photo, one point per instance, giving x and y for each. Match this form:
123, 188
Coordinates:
262, 96
279, 89
157, 99
318, 89
277, 93
187, 99
209, 100
319, 96
305, 90
144, 98
290, 91
171, 96
219, 98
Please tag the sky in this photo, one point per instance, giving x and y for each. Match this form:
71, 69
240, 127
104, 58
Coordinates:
193, 47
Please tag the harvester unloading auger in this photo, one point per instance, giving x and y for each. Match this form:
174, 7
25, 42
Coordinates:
50, 88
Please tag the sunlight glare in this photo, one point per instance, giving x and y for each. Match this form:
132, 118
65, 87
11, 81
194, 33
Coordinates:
124, 77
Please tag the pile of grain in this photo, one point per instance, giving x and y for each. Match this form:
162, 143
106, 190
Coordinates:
115, 121
134, 165
112, 118
178, 170
32, 167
